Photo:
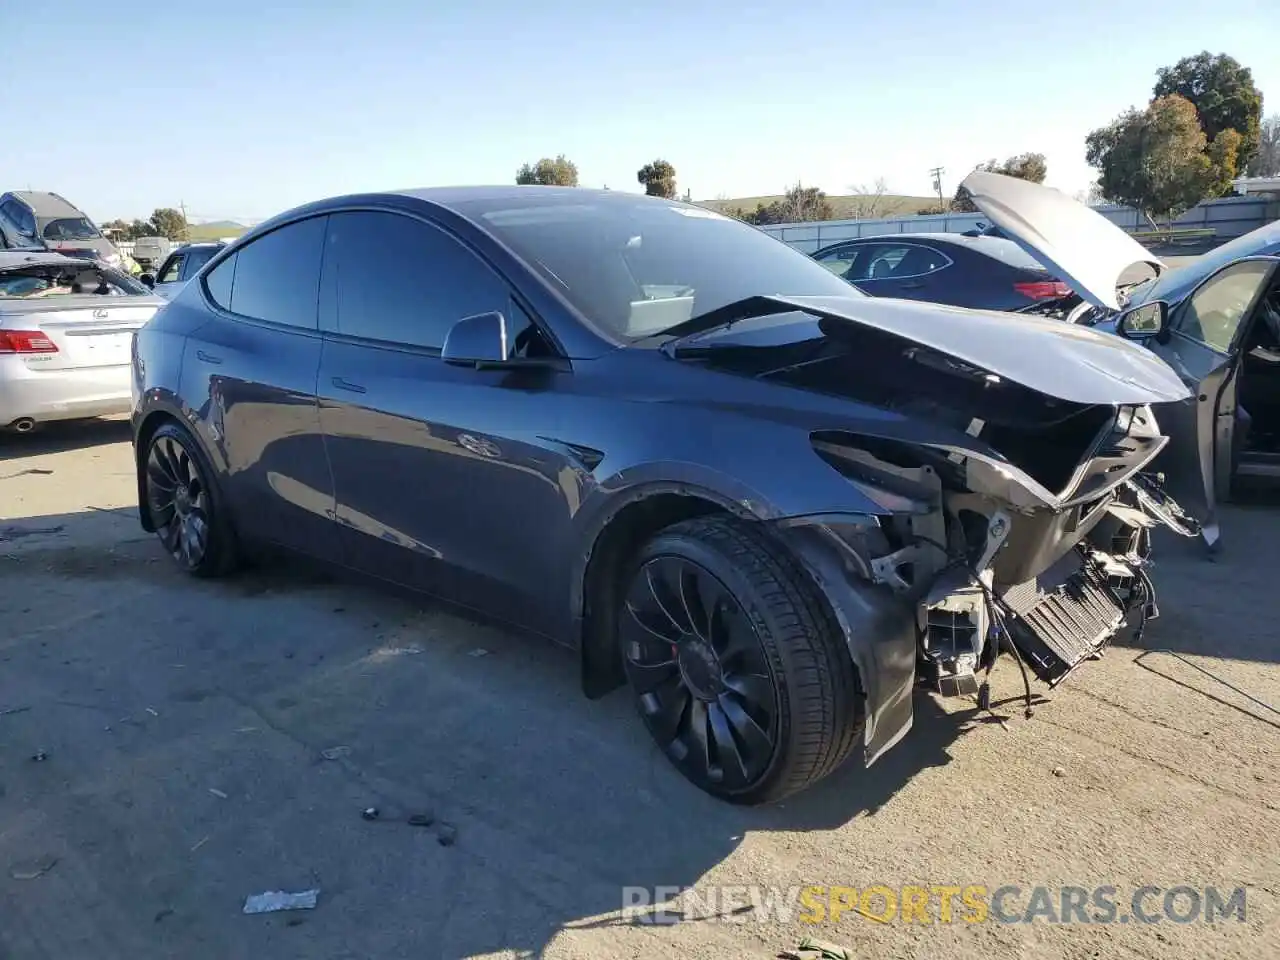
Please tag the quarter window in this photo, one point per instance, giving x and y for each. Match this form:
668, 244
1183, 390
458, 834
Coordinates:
275, 278
390, 277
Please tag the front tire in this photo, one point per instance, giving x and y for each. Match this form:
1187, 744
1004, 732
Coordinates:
185, 504
738, 669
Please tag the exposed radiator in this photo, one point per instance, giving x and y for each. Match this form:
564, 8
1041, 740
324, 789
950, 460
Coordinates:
1056, 629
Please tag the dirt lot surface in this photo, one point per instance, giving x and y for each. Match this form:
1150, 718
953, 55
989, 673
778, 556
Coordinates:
183, 729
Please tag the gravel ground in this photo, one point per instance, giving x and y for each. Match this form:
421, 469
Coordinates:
184, 727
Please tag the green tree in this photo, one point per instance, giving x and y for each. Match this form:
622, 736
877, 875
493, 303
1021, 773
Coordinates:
800, 204
557, 172
1266, 162
1025, 166
1225, 98
168, 222
659, 179
1157, 160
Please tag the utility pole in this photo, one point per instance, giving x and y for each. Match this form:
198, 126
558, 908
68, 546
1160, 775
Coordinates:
936, 173
182, 205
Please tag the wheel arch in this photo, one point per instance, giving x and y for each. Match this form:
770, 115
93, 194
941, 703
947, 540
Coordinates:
160, 413
619, 529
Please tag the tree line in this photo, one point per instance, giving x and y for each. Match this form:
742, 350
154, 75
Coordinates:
1202, 129
164, 222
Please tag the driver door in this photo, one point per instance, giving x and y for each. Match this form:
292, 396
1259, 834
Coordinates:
1203, 347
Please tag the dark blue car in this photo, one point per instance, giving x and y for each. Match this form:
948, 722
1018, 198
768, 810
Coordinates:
767, 504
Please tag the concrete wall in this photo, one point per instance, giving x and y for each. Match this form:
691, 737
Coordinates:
1229, 217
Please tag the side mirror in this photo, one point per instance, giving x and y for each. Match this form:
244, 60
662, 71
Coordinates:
477, 341
1145, 321
147, 280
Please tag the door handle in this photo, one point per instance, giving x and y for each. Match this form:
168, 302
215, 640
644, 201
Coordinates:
915, 285
207, 357
342, 384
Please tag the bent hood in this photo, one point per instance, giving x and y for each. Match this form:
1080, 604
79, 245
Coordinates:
1078, 243
1059, 360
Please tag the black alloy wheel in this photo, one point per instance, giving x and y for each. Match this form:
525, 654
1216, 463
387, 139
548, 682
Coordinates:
737, 670
700, 673
183, 504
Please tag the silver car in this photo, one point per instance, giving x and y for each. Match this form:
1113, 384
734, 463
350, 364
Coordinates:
66, 330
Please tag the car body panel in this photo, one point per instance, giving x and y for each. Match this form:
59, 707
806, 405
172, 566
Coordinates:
1077, 243
500, 487
1061, 360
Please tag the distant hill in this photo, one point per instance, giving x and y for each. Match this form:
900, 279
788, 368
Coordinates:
845, 207
215, 230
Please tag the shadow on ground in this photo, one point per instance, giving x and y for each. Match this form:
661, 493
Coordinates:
61, 436
209, 740
148, 690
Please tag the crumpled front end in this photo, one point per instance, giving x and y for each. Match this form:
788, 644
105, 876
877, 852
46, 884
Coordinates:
1045, 558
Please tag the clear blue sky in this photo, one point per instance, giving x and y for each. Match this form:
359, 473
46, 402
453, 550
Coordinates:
242, 109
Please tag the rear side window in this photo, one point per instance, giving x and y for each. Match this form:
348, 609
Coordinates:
390, 277
275, 278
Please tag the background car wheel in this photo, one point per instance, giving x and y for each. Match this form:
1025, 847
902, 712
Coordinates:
185, 505
739, 672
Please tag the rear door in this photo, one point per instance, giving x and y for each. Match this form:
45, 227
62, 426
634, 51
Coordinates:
1203, 347
250, 373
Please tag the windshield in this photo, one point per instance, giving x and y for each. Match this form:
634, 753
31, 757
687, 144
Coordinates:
32, 281
636, 266
70, 228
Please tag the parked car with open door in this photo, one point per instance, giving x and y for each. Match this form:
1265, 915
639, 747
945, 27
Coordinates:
1216, 321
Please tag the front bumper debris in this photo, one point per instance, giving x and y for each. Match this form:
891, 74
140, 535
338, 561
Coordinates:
1065, 615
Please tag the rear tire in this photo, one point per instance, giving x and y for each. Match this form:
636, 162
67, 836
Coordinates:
738, 668
185, 504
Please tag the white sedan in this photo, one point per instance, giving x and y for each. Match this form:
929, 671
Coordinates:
66, 328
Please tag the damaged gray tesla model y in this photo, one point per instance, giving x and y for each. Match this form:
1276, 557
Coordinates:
768, 505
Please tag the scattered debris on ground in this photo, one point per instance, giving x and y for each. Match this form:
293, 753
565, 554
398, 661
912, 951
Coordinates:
274, 901
32, 869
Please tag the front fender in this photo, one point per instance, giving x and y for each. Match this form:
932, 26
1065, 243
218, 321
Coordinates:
608, 498
880, 627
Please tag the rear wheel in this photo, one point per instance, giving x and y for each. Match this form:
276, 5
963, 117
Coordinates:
185, 505
738, 670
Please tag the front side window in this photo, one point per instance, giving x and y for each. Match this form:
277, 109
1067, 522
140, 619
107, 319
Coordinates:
840, 261
172, 270
275, 278
1213, 314
635, 266
390, 277
70, 228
